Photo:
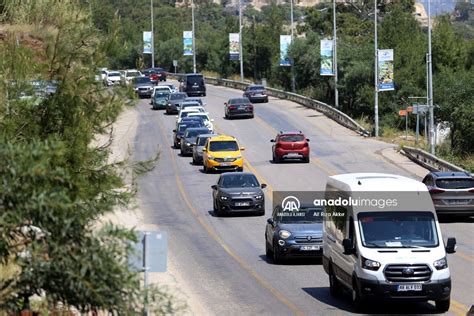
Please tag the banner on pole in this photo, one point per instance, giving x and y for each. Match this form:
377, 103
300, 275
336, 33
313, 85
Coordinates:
385, 70
285, 42
234, 46
327, 68
147, 42
188, 43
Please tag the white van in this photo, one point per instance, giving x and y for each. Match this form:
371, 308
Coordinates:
382, 240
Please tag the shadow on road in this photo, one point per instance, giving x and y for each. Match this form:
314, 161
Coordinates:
449, 219
373, 308
234, 214
293, 261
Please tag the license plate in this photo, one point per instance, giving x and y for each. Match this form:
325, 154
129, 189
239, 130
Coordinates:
309, 248
293, 155
224, 164
242, 204
409, 287
458, 202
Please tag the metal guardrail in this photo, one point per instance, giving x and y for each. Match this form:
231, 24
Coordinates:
429, 161
322, 107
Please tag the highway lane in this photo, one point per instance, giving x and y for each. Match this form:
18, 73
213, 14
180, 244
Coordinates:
224, 257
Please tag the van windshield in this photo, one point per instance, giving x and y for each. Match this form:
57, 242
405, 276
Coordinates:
398, 229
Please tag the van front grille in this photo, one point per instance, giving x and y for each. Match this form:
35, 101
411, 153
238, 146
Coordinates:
407, 273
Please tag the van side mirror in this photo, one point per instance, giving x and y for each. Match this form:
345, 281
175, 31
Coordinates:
451, 245
270, 221
263, 185
348, 249
174, 131
214, 187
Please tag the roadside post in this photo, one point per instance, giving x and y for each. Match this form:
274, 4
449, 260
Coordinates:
175, 64
405, 114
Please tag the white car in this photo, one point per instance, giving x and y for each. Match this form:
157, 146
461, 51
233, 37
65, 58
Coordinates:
162, 88
129, 75
207, 121
185, 113
171, 86
112, 78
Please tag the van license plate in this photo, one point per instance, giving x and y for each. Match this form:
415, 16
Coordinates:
409, 287
309, 248
242, 204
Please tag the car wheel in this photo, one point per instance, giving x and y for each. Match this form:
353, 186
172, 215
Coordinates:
194, 161
182, 152
176, 146
306, 159
266, 100
276, 159
261, 213
204, 168
443, 305
252, 116
226, 116
241, 169
334, 285
268, 250
357, 300
277, 256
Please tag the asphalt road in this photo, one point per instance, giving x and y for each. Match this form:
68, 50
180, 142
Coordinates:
223, 259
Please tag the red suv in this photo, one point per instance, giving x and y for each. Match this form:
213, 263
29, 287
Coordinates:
290, 145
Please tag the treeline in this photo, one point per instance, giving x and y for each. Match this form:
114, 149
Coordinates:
453, 53
56, 184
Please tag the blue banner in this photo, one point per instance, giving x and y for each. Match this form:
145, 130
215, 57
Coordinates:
385, 70
327, 68
285, 42
234, 46
147, 42
187, 43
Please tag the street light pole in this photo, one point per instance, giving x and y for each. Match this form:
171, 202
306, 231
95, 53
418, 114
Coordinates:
430, 84
293, 83
152, 37
336, 93
376, 107
194, 39
241, 57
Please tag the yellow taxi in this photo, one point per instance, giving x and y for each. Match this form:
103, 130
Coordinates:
222, 153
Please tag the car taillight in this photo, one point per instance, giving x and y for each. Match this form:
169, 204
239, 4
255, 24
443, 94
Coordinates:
249, 106
232, 107
436, 191
264, 93
471, 190
306, 145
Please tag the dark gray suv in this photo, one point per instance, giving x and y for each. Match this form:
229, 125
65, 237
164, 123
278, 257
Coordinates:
188, 141
294, 234
238, 192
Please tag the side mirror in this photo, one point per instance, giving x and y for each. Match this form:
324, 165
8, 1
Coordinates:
204, 104
176, 116
204, 149
212, 120
263, 185
214, 187
225, 103
174, 131
242, 148
307, 139
348, 249
451, 245
270, 221
272, 140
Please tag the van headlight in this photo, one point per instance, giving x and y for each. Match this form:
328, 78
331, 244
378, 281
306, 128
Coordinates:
284, 234
258, 197
441, 263
370, 264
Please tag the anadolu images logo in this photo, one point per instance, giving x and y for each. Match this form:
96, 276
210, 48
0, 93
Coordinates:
290, 204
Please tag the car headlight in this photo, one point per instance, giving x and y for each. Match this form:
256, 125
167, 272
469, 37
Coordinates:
370, 264
210, 157
135, 89
188, 144
258, 197
441, 263
224, 198
284, 234
238, 157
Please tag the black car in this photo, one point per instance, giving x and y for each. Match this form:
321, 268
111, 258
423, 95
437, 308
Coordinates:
142, 86
294, 233
181, 129
256, 93
238, 192
238, 107
173, 102
189, 139
193, 84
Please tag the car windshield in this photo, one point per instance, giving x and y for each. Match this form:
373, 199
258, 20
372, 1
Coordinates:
454, 183
188, 105
194, 100
133, 74
203, 116
291, 138
224, 145
239, 181
398, 229
257, 88
239, 101
178, 96
182, 127
303, 215
148, 72
161, 95
201, 141
114, 74
195, 132
141, 80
